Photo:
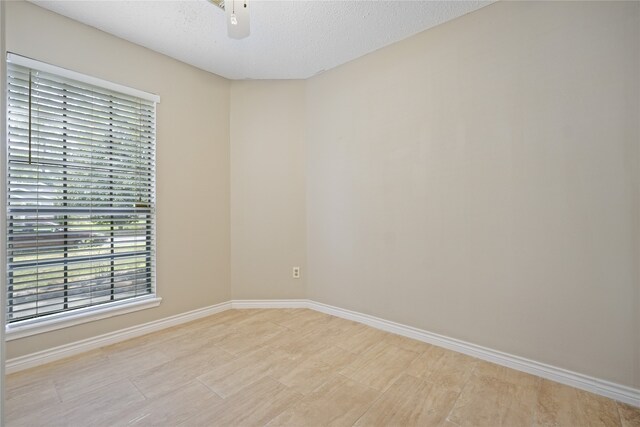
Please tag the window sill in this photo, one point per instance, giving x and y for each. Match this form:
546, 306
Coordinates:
84, 315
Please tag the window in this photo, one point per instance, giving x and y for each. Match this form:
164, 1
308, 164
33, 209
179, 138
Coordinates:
81, 193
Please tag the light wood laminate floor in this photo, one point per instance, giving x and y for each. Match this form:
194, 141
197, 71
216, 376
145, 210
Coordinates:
292, 368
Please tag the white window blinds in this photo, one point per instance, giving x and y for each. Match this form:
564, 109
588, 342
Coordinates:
81, 192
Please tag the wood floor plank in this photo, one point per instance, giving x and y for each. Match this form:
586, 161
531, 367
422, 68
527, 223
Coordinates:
306, 320
297, 344
338, 402
380, 366
443, 367
169, 409
226, 379
248, 337
629, 415
406, 343
130, 361
316, 369
273, 315
335, 357
30, 398
410, 401
176, 373
491, 370
82, 374
487, 401
307, 376
359, 339
255, 405
100, 406
94, 408
558, 404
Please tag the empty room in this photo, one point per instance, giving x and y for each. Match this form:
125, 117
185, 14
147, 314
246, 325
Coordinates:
320, 213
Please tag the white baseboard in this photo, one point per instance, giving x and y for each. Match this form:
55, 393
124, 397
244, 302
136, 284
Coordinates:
584, 382
51, 355
272, 303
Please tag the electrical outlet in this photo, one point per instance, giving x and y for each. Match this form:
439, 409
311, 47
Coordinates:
296, 272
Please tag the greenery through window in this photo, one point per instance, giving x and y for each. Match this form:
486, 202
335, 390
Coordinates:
81, 193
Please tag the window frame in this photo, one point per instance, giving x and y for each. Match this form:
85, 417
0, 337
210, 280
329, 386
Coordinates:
48, 322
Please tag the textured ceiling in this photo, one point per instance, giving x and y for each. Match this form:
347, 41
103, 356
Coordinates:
289, 39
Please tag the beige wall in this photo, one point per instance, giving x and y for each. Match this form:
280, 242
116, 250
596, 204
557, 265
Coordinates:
268, 218
480, 180
192, 161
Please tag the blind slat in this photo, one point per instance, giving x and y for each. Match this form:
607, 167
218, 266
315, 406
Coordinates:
46, 109
58, 300
53, 281
97, 93
75, 86
81, 286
